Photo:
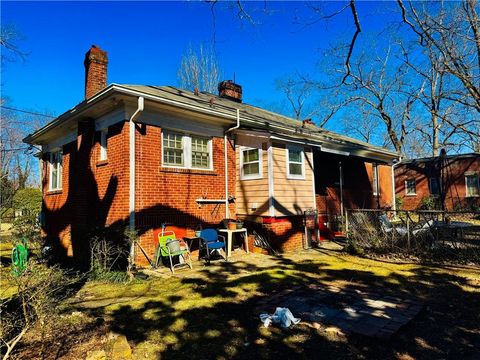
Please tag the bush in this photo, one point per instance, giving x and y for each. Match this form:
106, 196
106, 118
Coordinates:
398, 202
429, 203
28, 202
109, 250
40, 290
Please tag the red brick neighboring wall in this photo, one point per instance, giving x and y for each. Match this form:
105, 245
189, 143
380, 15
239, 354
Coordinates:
169, 195
454, 180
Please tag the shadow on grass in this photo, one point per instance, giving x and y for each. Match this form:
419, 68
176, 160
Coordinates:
220, 321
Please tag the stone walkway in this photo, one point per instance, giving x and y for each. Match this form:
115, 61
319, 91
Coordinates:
350, 309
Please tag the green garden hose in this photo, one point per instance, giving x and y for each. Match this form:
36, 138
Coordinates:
19, 258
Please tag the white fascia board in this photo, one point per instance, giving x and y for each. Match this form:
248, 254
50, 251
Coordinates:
68, 138
110, 119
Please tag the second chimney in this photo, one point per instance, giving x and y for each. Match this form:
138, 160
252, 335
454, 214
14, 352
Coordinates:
229, 90
96, 61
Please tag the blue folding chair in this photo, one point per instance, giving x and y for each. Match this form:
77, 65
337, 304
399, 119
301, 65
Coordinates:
210, 241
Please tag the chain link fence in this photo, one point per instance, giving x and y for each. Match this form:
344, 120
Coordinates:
435, 235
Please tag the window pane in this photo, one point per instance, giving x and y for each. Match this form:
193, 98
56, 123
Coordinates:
54, 175
251, 169
411, 187
434, 186
250, 155
173, 149
472, 185
295, 155
295, 169
200, 153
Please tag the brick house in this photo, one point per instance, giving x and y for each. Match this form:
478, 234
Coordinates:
453, 178
136, 155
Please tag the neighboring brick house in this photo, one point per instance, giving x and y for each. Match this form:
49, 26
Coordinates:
453, 178
135, 155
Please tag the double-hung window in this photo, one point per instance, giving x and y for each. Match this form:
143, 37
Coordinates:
472, 185
410, 187
103, 144
295, 162
56, 170
251, 163
187, 151
375, 179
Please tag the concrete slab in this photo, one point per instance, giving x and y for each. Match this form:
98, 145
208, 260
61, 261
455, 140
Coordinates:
368, 313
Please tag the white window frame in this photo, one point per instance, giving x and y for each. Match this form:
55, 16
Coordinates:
430, 187
59, 170
104, 145
187, 151
302, 152
260, 164
375, 180
406, 187
466, 185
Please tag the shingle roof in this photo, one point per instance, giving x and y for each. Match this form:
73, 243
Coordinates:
249, 111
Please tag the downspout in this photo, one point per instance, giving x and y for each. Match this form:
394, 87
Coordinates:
131, 195
225, 152
394, 192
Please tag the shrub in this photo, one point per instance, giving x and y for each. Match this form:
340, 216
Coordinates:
40, 290
109, 250
398, 202
429, 203
28, 202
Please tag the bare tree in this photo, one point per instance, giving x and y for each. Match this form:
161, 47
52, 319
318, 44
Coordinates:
9, 37
452, 30
199, 69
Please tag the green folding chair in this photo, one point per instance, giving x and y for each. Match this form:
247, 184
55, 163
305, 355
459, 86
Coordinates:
169, 246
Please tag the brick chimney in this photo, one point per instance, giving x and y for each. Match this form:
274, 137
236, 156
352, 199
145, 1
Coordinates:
229, 90
307, 122
96, 61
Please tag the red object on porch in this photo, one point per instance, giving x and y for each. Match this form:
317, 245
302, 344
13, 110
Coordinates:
325, 232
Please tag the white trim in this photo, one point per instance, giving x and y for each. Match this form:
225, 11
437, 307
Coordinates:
406, 188
271, 182
287, 159
471, 173
112, 118
58, 143
333, 151
187, 150
260, 164
59, 176
103, 145
313, 182
375, 180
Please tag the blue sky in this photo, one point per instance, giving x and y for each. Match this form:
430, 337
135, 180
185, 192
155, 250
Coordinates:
145, 42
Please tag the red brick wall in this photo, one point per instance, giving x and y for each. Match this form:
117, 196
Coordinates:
94, 194
169, 195
286, 233
454, 181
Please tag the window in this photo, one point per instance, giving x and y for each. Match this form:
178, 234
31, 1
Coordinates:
173, 153
190, 152
471, 182
103, 144
56, 170
200, 153
434, 184
375, 187
295, 163
251, 161
410, 187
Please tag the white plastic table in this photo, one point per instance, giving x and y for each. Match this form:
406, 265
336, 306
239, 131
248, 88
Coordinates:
229, 239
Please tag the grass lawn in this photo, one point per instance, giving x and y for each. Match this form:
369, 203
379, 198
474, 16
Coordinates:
208, 312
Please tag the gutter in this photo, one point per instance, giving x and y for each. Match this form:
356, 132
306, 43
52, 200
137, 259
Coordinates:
131, 194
